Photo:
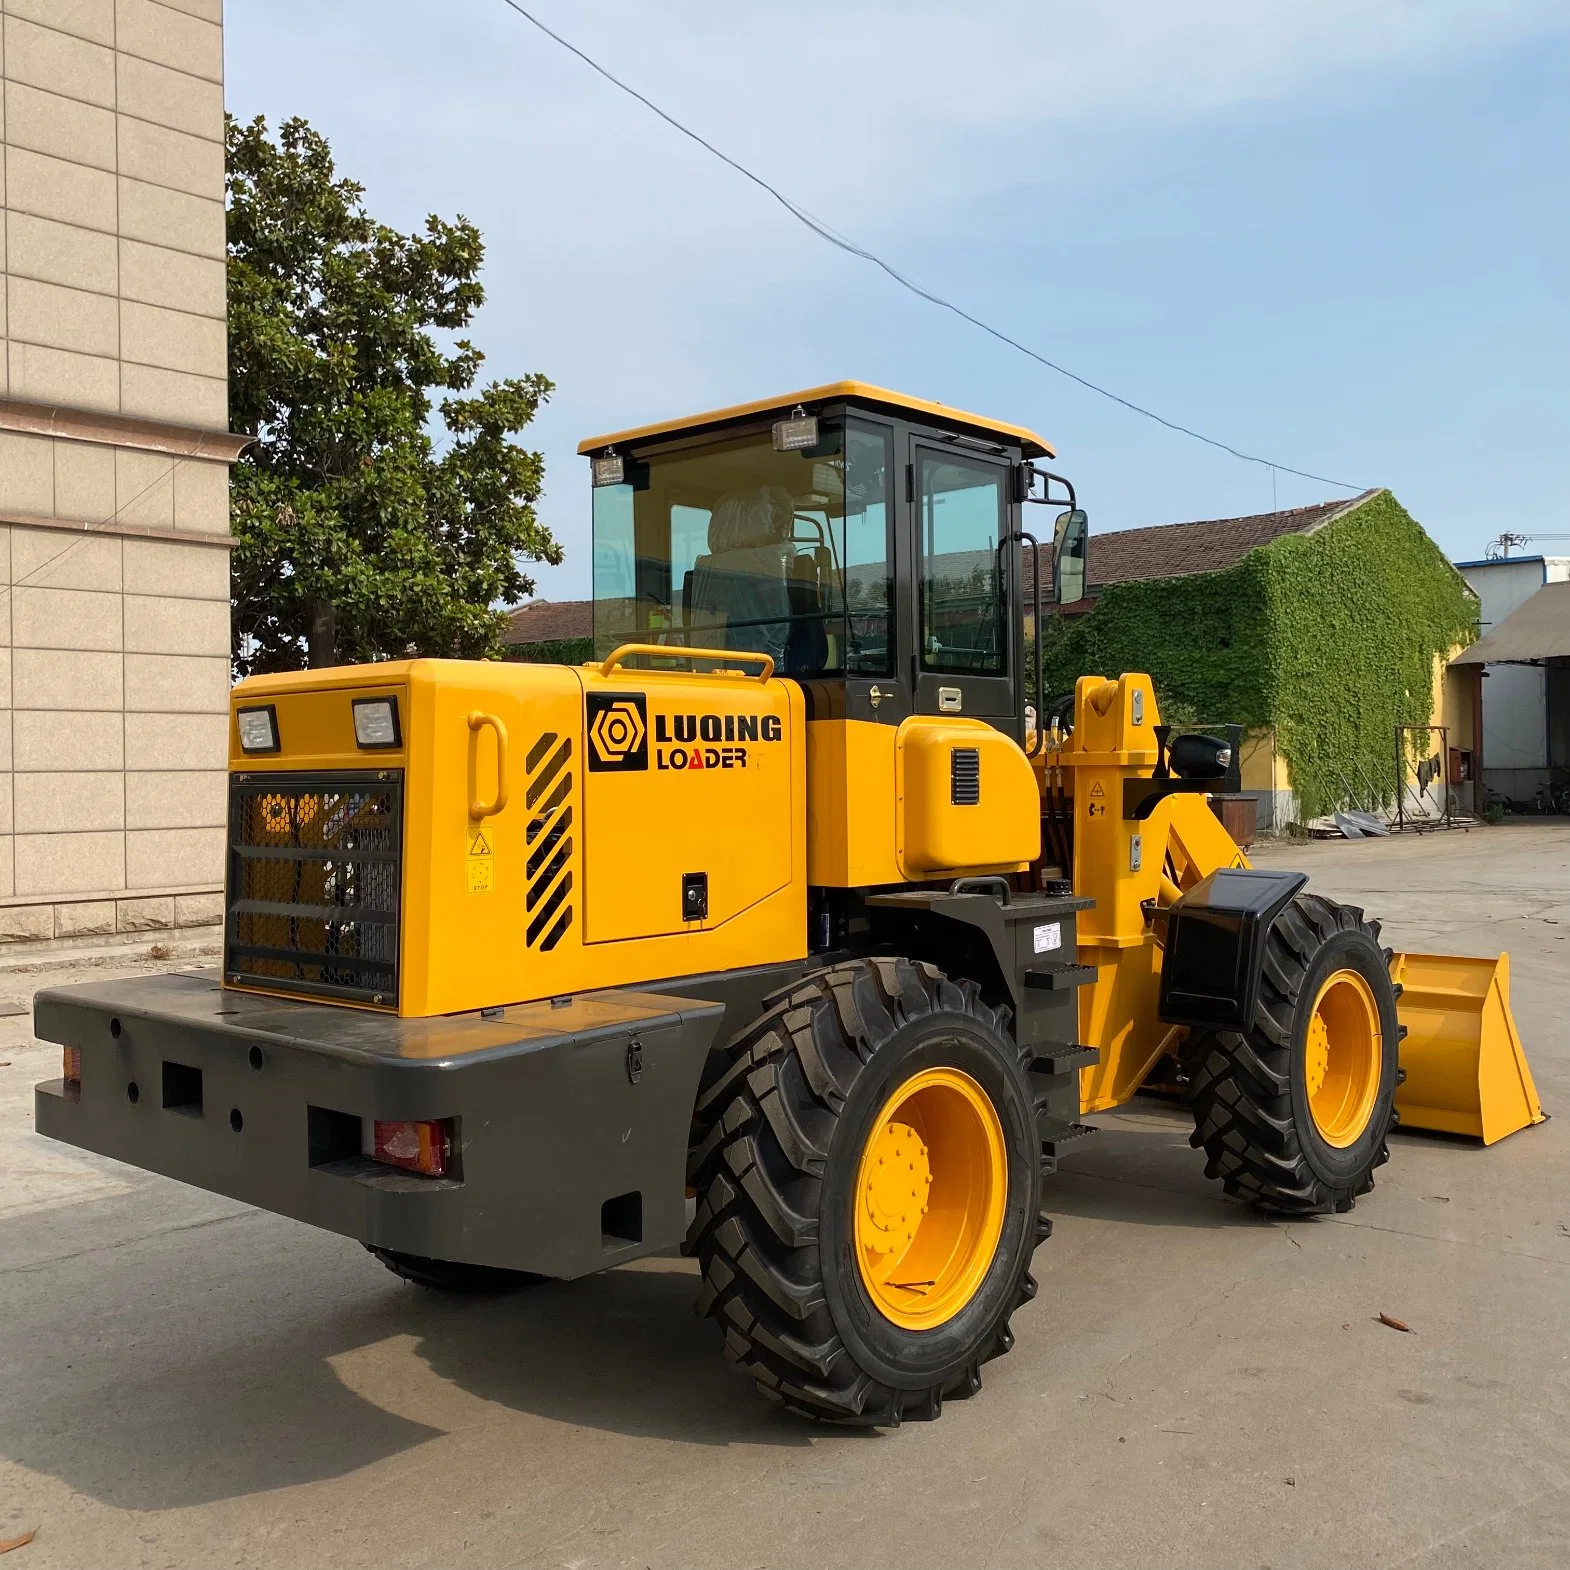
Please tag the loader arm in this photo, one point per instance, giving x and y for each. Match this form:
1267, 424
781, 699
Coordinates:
1465, 1070
1130, 865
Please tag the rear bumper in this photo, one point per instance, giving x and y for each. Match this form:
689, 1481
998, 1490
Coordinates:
557, 1125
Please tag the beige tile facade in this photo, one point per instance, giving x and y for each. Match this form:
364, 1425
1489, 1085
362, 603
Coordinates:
114, 454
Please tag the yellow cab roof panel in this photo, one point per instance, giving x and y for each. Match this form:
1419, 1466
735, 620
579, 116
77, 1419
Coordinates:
855, 392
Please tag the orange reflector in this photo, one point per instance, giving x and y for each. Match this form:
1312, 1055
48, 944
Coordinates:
424, 1147
72, 1071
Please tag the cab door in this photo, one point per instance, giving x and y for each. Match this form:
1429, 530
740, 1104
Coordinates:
868, 675
964, 655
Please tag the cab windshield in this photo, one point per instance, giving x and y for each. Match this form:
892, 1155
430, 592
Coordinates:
732, 545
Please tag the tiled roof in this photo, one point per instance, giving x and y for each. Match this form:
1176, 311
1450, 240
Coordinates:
549, 621
1176, 550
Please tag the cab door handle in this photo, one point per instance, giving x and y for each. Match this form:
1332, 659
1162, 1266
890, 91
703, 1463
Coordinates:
478, 721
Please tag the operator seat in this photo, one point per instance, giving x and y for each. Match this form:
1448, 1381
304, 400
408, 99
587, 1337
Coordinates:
807, 648
741, 597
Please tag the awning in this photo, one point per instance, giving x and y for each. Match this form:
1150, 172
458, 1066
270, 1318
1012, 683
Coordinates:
1537, 630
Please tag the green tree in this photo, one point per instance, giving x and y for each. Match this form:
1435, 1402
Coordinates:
365, 530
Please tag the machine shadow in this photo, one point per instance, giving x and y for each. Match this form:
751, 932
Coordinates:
621, 1351
1140, 1170
205, 1415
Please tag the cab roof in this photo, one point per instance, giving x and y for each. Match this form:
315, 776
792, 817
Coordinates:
830, 392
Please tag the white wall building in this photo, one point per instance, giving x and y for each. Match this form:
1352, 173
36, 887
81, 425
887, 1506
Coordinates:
1517, 749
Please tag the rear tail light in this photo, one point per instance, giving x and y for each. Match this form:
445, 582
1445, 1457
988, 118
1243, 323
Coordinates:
425, 1147
71, 1072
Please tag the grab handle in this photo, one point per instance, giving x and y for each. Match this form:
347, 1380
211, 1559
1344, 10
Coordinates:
478, 720
676, 651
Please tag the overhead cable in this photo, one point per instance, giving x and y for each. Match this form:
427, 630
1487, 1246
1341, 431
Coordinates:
834, 238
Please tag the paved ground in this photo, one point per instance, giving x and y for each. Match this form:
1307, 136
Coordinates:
187, 1382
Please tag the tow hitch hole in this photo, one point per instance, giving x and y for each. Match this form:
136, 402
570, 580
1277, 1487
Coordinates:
133, 1092
621, 1220
236, 1121
183, 1089
331, 1136
254, 1056
114, 1028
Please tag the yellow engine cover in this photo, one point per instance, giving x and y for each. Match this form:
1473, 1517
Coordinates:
967, 799
711, 795
563, 830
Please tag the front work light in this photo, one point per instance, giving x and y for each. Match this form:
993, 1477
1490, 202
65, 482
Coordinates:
376, 722
1199, 758
609, 470
798, 432
258, 729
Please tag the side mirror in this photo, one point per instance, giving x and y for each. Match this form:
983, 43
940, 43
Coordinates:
1069, 539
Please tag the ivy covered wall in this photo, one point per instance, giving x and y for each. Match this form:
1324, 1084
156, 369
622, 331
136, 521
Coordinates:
558, 651
1329, 637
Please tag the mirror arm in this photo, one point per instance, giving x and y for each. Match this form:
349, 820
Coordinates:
1046, 498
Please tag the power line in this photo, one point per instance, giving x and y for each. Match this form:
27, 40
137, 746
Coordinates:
87, 529
834, 238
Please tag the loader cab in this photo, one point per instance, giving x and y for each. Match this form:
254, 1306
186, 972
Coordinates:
866, 541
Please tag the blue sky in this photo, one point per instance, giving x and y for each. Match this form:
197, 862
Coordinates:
1336, 233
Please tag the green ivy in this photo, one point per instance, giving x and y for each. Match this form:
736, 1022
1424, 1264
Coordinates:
1328, 637
559, 651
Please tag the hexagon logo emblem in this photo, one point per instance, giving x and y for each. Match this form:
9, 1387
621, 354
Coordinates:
618, 731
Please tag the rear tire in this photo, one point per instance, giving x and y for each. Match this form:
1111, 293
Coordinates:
789, 1130
451, 1275
1293, 1113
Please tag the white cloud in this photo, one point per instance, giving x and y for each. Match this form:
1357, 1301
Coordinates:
648, 278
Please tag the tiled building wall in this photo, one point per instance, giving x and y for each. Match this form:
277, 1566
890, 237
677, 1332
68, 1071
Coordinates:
114, 207
114, 516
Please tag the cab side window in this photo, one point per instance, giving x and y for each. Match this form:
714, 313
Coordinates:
866, 588
960, 520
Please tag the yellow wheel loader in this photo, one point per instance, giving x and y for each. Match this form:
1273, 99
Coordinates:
799, 929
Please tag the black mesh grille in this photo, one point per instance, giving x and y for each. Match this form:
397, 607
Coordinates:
314, 865
965, 776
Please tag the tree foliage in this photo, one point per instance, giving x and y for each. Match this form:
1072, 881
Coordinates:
1330, 637
361, 535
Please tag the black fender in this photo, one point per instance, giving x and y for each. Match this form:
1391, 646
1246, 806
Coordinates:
1213, 946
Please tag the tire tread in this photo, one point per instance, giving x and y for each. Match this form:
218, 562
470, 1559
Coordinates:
760, 1146
1241, 1080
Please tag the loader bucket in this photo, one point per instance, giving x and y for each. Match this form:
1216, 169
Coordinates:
1465, 1070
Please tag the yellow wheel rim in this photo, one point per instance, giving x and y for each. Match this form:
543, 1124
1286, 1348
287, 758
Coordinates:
930, 1194
1343, 1058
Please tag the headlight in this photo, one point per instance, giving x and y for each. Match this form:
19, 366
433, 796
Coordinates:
258, 729
376, 722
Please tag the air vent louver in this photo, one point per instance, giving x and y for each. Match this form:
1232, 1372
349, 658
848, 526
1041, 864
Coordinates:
965, 776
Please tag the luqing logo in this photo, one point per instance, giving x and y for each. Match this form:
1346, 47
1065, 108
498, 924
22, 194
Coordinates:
618, 731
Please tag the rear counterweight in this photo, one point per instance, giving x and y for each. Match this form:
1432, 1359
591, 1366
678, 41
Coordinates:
569, 1122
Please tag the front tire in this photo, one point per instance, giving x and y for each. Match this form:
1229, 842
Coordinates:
849, 1296
1294, 1113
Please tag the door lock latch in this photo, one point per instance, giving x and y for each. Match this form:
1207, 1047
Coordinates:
874, 695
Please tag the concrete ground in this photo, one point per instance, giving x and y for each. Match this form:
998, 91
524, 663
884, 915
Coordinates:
184, 1381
